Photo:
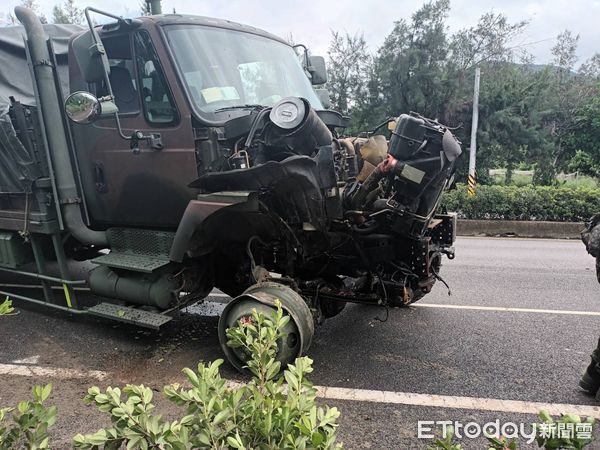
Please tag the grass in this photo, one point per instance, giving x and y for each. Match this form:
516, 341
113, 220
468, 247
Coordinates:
526, 180
582, 182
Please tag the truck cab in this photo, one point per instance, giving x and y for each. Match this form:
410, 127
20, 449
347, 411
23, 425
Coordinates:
180, 78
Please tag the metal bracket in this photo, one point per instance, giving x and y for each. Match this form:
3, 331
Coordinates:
97, 49
154, 140
69, 201
43, 62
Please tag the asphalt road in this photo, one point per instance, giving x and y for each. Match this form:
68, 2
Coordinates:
519, 349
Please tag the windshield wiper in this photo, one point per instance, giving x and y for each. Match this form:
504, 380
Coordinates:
228, 108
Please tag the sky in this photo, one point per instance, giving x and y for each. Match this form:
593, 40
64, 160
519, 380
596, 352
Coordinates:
311, 21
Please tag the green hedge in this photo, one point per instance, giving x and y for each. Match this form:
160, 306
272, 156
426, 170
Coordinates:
561, 204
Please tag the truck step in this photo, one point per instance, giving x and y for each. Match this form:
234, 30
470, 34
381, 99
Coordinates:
129, 261
137, 250
126, 314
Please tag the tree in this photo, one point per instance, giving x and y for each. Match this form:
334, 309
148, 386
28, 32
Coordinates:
487, 44
410, 65
423, 68
489, 40
420, 67
590, 69
31, 4
511, 128
564, 98
145, 8
585, 139
349, 63
67, 13
539, 116
565, 53
5, 19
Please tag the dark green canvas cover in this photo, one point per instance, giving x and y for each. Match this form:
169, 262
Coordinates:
22, 159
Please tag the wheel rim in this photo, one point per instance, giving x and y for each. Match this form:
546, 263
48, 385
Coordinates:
298, 331
288, 346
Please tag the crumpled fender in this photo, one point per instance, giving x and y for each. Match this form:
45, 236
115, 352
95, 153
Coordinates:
200, 209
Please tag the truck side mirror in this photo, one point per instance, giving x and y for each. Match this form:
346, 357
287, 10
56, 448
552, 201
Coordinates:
317, 70
91, 56
84, 108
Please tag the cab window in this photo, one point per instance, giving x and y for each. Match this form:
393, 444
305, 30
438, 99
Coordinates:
122, 75
157, 102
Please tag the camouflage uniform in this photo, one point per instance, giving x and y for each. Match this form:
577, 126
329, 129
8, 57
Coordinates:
591, 239
590, 381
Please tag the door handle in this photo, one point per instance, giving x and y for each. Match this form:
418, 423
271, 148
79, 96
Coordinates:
99, 177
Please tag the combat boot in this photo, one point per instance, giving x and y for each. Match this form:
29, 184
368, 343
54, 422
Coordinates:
590, 380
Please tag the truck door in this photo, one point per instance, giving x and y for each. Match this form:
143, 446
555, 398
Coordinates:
139, 187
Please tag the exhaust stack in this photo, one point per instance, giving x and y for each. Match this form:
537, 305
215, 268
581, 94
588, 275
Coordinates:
154, 6
54, 125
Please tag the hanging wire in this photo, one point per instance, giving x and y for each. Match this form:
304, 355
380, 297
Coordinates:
438, 277
385, 301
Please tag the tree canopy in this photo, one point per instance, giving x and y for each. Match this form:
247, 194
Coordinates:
538, 116
544, 117
68, 12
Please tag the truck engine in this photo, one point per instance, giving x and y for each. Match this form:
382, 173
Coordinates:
349, 219
336, 219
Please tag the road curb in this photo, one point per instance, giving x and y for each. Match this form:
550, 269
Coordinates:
530, 229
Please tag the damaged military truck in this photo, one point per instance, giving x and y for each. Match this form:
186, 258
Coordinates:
172, 154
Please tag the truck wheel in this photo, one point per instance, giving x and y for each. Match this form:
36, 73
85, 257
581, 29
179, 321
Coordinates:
262, 297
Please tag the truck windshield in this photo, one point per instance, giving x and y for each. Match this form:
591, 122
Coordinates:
225, 69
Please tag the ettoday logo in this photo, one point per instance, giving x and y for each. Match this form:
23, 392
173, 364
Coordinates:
426, 429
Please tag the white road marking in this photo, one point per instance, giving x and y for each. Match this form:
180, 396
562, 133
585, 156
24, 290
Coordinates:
448, 401
347, 394
472, 307
51, 372
506, 309
30, 360
565, 312
519, 238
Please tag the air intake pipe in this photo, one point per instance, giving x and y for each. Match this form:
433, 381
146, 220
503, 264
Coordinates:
53, 121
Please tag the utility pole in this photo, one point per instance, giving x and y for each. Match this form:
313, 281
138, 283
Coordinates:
474, 124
